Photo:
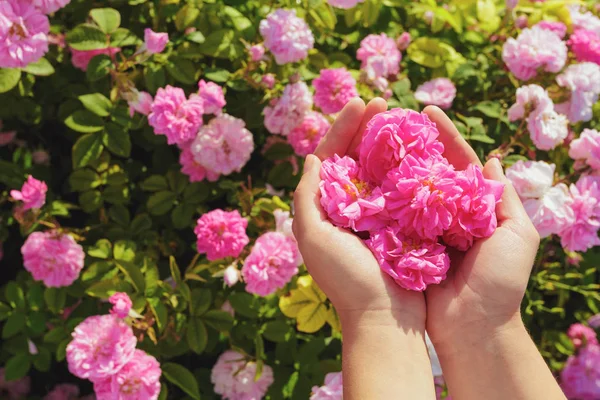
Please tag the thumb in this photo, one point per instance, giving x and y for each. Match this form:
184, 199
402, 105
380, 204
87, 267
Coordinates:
510, 208
307, 208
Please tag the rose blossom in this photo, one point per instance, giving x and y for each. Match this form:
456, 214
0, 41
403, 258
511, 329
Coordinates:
283, 114
155, 42
234, 377
332, 389
194, 170
175, 116
231, 275
271, 264
533, 49
393, 134
403, 41
224, 145
228, 308
583, 20
414, 264
141, 103
283, 224
138, 379
64, 391
594, 321
333, 89
346, 4
586, 45
52, 257
23, 33
101, 346
32, 193
306, 136
50, 6
268, 80
287, 36
438, 92
531, 179
587, 148
257, 52
582, 233
16, 389
348, 198
583, 80
383, 49
557, 27
582, 335
121, 304
212, 97
532, 97
81, 58
221, 234
581, 374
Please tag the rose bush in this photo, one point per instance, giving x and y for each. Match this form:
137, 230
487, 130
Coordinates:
149, 150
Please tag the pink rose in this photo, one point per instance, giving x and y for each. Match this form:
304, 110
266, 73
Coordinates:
587, 148
287, 36
582, 233
583, 81
81, 58
333, 389
286, 112
212, 96
50, 6
221, 234
155, 42
346, 4
403, 41
383, 49
586, 45
231, 275
234, 377
582, 335
121, 304
141, 103
257, 52
438, 92
305, 137
63, 391
32, 193
581, 374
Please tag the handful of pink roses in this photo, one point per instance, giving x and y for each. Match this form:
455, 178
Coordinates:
408, 197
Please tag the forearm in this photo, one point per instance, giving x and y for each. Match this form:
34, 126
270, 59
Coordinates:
497, 363
385, 358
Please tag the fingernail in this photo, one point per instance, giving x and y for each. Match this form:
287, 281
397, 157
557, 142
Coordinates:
498, 165
308, 162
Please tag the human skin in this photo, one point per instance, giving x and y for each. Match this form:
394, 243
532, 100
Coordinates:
384, 353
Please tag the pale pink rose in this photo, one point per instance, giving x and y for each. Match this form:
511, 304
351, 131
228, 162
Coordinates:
268, 80
231, 275
121, 304
23, 33
346, 4
63, 391
141, 102
414, 264
155, 42
257, 52
101, 346
403, 41
582, 335
286, 112
138, 379
535, 48
583, 80
333, 89
594, 321
175, 116
81, 58
40, 157
332, 389
287, 36
224, 145
392, 135
582, 234
438, 92
422, 196
194, 170
385, 49
50, 6
581, 375
212, 96
583, 20
586, 45
283, 224
557, 27
347, 196
234, 378
522, 21
547, 129
532, 97
305, 137
531, 179
376, 71
14, 390
587, 148
32, 193
271, 264
476, 215
52, 257
221, 234
228, 308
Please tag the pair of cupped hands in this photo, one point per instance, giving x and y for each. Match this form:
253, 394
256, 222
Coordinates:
485, 285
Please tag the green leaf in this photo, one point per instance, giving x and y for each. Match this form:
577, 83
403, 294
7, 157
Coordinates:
41, 67
219, 320
17, 367
36, 322
55, 298
201, 300
98, 67
4, 311
175, 272
196, 37
427, 52
182, 378
35, 297
154, 77
117, 140
196, 335
276, 331
90, 200
182, 215
482, 139
182, 69
140, 224
87, 149
240, 22
133, 273
108, 19
102, 249
104, 289
177, 181
161, 202
196, 193
87, 37
217, 74
491, 109
370, 12
160, 312
124, 37
97, 103
55, 335
186, 16
124, 250
84, 121
222, 43
15, 296
84, 179
244, 304
13, 325
42, 360
9, 79
155, 183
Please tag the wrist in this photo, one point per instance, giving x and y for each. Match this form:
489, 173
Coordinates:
392, 318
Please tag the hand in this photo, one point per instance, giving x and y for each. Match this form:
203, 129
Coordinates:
485, 285
339, 261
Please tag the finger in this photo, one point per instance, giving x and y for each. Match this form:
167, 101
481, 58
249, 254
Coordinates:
375, 106
456, 148
510, 208
337, 140
306, 197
